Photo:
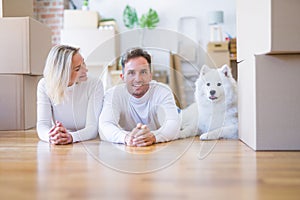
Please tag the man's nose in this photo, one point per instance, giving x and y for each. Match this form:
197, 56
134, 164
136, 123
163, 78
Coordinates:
138, 76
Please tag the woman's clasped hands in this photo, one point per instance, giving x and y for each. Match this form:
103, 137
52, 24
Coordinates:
58, 134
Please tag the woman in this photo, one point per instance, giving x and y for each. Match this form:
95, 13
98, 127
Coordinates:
68, 102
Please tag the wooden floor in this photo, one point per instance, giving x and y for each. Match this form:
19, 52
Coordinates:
183, 169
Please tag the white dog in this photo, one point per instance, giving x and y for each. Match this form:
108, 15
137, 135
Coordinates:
214, 113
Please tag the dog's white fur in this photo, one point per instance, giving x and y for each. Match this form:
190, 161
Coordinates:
214, 113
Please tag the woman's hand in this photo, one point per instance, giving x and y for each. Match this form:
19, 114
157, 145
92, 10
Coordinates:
59, 135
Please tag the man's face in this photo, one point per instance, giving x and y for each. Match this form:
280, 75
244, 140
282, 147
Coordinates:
137, 76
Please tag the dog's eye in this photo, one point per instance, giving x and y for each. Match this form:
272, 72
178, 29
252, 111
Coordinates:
208, 84
219, 84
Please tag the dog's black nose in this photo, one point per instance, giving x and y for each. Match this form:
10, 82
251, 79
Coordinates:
212, 92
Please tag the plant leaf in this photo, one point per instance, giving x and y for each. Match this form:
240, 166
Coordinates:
130, 18
149, 19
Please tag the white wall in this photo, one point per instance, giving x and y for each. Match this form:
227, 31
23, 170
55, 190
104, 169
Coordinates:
170, 11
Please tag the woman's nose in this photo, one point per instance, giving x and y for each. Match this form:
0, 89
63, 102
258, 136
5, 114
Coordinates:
85, 68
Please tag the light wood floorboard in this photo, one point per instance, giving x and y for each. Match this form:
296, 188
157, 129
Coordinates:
182, 169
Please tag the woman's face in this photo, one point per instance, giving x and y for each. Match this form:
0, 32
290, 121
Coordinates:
79, 70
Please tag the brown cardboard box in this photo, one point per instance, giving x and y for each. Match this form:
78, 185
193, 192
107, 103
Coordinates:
18, 101
217, 54
16, 8
268, 27
218, 46
25, 44
160, 76
269, 111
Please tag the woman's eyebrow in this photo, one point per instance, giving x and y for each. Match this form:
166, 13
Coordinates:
77, 67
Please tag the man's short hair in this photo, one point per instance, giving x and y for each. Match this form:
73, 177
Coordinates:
134, 53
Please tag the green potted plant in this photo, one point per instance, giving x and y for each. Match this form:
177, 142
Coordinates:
85, 5
148, 20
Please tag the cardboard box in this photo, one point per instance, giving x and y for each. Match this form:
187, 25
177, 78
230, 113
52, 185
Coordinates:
268, 93
96, 46
80, 19
217, 54
160, 76
18, 101
268, 27
218, 46
25, 44
16, 8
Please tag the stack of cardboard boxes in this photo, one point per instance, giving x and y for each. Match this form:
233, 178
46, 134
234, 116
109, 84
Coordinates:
25, 44
268, 45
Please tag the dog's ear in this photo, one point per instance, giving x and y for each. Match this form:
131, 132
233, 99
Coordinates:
225, 69
204, 70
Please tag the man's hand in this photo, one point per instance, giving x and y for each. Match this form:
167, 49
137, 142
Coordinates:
129, 138
59, 135
140, 136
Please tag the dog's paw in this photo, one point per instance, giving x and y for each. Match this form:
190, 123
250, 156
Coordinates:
204, 136
209, 136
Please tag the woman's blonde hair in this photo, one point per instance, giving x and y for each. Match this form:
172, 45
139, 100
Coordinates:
57, 71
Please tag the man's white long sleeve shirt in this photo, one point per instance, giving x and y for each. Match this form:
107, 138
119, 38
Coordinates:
122, 111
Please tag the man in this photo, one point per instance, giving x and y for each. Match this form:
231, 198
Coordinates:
140, 112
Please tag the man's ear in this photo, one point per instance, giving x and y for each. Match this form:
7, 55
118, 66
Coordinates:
122, 76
